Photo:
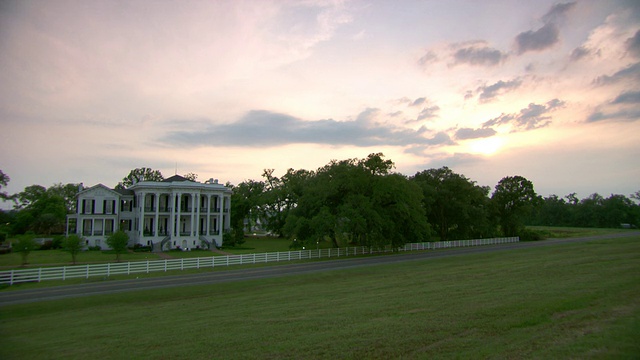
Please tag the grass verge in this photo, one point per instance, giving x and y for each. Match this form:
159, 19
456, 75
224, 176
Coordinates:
566, 301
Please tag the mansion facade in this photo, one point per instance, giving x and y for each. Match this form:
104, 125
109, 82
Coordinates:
169, 214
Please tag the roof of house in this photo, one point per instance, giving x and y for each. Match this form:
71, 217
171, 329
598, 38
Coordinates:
124, 191
175, 178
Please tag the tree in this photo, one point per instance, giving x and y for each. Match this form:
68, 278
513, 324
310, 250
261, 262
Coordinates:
140, 174
513, 199
455, 206
73, 244
118, 241
355, 201
67, 192
41, 210
4, 181
191, 176
246, 202
25, 244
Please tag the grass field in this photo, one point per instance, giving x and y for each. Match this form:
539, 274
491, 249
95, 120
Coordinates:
39, 258
567, 301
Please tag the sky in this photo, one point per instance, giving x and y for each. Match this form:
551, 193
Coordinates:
225, 89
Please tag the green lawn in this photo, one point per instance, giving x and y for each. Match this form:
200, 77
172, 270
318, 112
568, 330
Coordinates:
39, 258
569, 232
259, 244
566, 301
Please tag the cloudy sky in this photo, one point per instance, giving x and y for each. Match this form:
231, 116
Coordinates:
543, 89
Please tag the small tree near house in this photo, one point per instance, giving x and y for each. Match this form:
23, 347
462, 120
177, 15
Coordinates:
73, 244
118, 242
24, 245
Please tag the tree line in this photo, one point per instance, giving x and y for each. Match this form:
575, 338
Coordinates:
357, 201
363, 202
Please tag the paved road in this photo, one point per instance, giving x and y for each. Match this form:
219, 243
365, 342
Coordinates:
215, 277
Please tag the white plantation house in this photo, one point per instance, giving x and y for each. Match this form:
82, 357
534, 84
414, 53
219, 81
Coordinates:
168, 214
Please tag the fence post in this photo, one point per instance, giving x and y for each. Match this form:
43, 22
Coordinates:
108, 269
165, 265
87, 267
64, 273
128, 267
147, 266
11, 278
40, 274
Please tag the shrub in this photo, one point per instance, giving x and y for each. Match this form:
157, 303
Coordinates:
530, 235
57, 242
141, 248
94, 248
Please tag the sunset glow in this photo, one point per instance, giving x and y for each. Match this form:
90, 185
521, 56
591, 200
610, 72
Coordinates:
92, 89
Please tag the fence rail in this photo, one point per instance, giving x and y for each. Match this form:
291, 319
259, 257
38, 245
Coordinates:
85, 271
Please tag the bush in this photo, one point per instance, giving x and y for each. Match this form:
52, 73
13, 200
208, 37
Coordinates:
57, 242
95, 248
47, 245
140, 248
530, 235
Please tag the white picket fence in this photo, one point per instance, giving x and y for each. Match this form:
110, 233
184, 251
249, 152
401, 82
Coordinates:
85, 271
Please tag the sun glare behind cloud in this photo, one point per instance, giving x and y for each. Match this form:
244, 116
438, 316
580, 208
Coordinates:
487, 146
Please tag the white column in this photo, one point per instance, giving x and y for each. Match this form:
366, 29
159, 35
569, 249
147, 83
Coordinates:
172, 215
179, 200
141, 221
157, 219
194, 204
197, 221
221, 215
207, 223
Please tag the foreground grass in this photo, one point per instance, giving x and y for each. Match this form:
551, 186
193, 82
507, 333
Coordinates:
566, 301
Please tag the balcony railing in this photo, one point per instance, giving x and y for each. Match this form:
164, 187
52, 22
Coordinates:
86, 232
149, 208
164, 209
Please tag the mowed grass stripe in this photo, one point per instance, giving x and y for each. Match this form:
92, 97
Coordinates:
575, 300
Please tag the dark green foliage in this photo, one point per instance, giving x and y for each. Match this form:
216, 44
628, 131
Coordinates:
592, 211
456, 207
233, 237
73, 244
118, 242
43, 210
4, 181
513, 200
25, 245
140, 174
357, 202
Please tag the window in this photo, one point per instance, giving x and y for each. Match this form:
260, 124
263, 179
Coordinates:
108, 206
125, 225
